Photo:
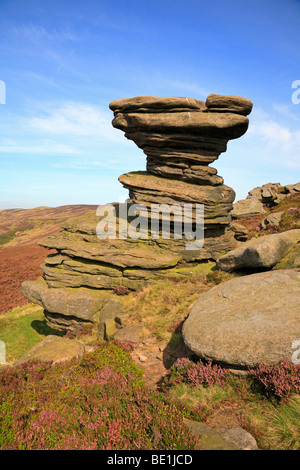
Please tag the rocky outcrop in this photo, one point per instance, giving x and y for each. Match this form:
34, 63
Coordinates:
181, 137
247, 320
269, 195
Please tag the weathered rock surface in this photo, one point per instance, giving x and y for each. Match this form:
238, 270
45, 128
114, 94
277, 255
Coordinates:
247, 320
180, 133
260, 253
54, 349
82, 303
291, 259
234, 104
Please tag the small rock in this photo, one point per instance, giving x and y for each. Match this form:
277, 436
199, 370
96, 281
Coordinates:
112, 308
292, 188
143, 358
240, 232
107, 329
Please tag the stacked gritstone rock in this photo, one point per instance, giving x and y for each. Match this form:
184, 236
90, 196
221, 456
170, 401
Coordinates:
180, 137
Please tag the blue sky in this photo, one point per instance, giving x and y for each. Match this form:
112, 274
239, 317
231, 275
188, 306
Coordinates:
63, 61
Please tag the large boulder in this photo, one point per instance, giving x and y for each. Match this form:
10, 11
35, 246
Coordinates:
247, 320
260, 253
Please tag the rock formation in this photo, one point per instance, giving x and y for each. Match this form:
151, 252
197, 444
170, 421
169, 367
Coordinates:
181, 137
247, 320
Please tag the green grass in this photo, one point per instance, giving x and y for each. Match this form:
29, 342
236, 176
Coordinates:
163, 305
21, 329
284, 426
6, 238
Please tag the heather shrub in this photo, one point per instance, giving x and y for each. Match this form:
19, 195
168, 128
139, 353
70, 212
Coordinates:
278, 381
121, 290
196, 373
99, 402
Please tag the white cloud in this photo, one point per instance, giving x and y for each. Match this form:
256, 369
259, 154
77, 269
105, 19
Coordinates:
190, 88
41, 149
278, 142
88, 164
286, 111
74, 118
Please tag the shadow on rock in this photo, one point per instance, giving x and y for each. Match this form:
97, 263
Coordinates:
41, 327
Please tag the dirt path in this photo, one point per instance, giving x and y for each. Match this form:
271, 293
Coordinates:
155, 358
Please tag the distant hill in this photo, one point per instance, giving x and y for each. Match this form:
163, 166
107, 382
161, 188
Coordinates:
28, 226
20, 254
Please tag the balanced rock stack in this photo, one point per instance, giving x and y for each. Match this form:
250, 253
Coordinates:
181, 137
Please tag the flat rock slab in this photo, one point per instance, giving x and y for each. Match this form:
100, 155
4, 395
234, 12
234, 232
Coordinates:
247, 320
54, 349
112, 252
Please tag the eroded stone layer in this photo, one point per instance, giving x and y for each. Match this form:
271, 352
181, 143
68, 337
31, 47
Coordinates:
147, 189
